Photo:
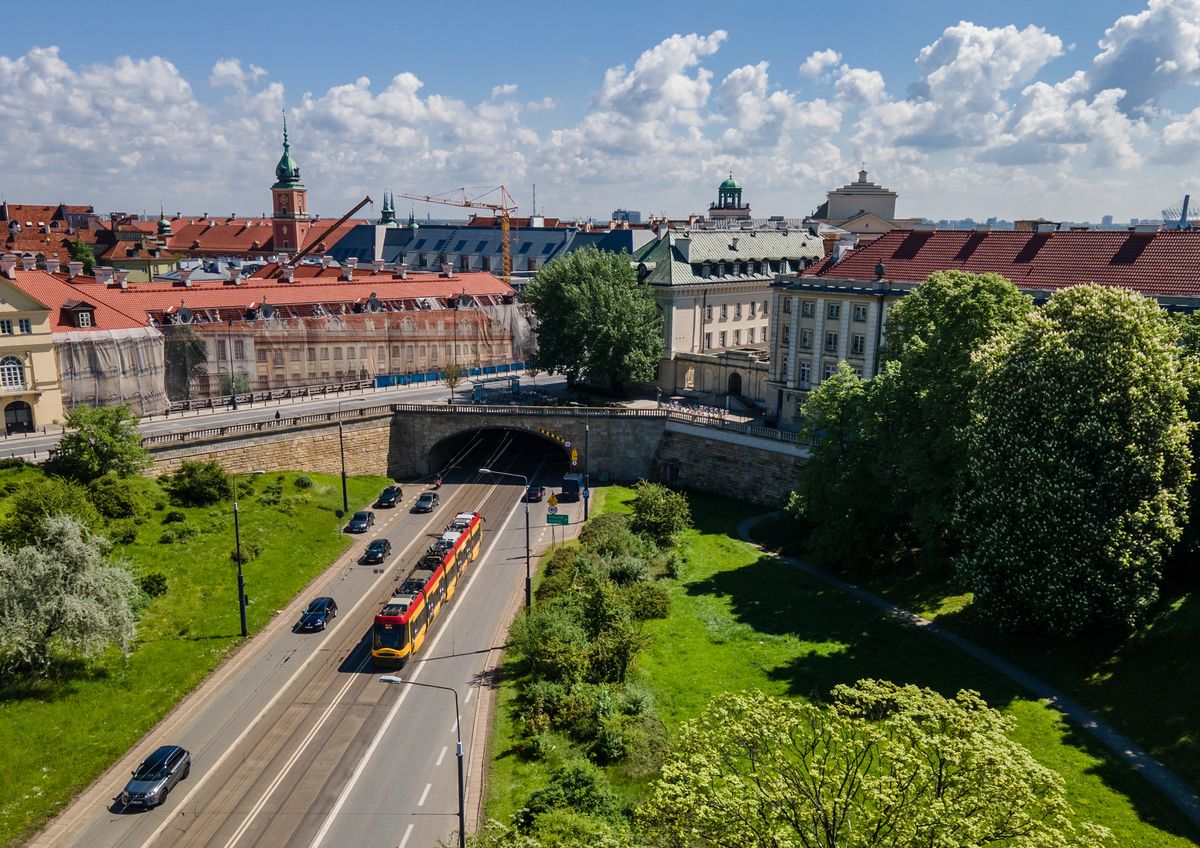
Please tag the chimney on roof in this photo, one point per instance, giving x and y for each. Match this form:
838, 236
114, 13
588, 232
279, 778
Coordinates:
289, 274
378, 266
401, 272
447, 270
204, 216
325, 260
733, 243
880, 271
28, 262
8, 266
74, 269
1046, 227
122, 276
103, 275
52, 264
185, 277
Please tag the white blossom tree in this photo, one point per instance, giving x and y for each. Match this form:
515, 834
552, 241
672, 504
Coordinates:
1079, 464
62, 594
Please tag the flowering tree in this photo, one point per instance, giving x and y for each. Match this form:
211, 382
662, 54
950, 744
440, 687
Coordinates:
880, 765
1079, 464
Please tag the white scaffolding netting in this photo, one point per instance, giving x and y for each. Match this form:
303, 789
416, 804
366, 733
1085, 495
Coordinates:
108, 367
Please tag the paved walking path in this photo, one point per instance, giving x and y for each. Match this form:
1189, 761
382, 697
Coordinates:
1178, 792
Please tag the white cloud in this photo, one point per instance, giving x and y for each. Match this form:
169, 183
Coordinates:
1147, 54
818, 64
229, 72
859, 85
503, 90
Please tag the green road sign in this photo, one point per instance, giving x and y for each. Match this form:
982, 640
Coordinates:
558, 519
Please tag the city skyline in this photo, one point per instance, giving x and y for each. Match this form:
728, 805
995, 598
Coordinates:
1021, 112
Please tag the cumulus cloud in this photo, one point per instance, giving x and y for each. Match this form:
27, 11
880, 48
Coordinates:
229, 72
503, 90
1147, 54
818, 64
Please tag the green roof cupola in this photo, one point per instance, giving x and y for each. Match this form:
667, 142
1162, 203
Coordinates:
164, 225
287, 172
389, 210
729, 194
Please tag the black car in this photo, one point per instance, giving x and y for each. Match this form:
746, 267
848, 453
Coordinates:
389, 497
156, 776
317, 616
534, 494
426, 502
361, 521
377, 551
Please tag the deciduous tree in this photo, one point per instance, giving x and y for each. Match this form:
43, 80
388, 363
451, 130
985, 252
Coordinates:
880, 765
62, 593
595, 322
99, 440
1079, 466
659, 514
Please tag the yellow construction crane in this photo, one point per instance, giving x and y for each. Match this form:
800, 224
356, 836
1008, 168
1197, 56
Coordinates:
502, 210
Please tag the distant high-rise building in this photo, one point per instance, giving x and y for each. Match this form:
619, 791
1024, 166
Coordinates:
1107, 220
631, 216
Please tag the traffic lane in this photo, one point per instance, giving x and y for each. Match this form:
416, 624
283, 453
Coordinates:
419, 799
216, 714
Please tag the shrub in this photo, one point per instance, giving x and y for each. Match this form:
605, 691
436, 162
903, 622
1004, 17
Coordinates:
12, 462
198, 484
624, 570
609, 535
12, 487
174, 516
153, 584
659, 514
245, 488
578, 786
552, 643
636, 700
542, 702
647, 600
271, 494
289, 503
159, 506
558, 573
121, 532
114, 497
250, 550
611, 745
176, 534
41, 498
539, 746
303, 482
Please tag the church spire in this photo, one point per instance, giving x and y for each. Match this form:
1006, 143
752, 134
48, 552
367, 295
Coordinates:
389, 210
287, 172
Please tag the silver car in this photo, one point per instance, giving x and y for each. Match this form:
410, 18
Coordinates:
156, 776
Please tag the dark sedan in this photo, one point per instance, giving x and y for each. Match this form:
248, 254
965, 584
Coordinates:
426, 502
318, 614
534, 494
156, 776
361, 521
376, 552
389, 497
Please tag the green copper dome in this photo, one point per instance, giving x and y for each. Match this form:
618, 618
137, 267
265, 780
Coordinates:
730, 185
287, 172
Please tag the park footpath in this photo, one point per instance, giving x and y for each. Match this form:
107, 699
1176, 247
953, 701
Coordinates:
1175, 790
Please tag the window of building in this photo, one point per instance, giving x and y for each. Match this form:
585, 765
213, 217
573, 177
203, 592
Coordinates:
860, 312
396, 351
833, 311
410, 352
783, 362
239, 349
349, 353
737, 312
295, 355
277, 359
750, 336
381, 354
720, 269
787, 305
707, 341
766, 267
803, 373
830, 367
724, 311
721, 338
264, 383
464, 262
532, 264
706, 270
737, 337
858, 344
831, 342
24, 325
6, 327
262, 355
806, 339
12, 372
221, 352
764, 308
487, 263
324, 354
312, 354
807, 308
337, 353
708, 313
857, 369
786, 334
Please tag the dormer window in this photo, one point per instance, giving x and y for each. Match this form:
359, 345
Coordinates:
83, 318
706, 270
79, 313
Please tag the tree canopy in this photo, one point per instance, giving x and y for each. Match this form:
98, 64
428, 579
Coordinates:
81, 251
1079, 466
595, 322
879, 765
659, 514
99, 440
62, 593
41, 498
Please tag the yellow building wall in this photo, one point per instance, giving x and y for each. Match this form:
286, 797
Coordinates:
35, 350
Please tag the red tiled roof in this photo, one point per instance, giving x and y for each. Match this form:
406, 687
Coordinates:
53, 291
1164, 263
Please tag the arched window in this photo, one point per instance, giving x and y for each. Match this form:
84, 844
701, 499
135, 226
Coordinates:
12, 373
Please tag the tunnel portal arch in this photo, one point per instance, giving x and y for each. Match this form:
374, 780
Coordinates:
517, 449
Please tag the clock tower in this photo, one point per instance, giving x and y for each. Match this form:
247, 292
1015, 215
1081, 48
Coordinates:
289, 198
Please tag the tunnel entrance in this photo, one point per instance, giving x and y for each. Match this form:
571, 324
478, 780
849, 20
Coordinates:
458, 457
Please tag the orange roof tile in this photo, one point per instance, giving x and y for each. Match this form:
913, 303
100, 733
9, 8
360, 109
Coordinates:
54, 290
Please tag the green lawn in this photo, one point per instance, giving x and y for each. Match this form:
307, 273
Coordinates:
743, 620
58, 736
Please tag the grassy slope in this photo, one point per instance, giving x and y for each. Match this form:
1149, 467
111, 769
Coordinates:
57, 737
741, 620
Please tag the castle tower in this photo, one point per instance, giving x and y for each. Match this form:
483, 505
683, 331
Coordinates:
729, 202
289, 198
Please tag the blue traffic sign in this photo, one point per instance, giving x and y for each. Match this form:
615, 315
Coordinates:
552, 509
587, 493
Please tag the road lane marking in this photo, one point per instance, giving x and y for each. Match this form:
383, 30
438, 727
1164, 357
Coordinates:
470, 692
424, 794
167, 822
387, 721
407, 833
441, 756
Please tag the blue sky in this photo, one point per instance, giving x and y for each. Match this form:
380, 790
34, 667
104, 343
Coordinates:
1066, 110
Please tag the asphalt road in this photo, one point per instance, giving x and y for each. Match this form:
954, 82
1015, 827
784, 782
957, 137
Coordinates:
36, 446
296, 742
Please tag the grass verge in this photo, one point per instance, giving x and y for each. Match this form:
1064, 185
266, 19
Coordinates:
742, 620
59, 735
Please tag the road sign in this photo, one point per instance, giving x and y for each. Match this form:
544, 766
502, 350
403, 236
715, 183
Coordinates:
587, 493
558, 519
574, 463
552, 510
574, 455
553, 500
566, 444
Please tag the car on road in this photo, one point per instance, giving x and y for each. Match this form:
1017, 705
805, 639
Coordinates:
534, 494
389, 497
376, 552
361, 521
156, 776
426, 502
318, 614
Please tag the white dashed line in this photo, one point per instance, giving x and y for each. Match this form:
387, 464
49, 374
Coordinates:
407, 833
424, 794
441, 757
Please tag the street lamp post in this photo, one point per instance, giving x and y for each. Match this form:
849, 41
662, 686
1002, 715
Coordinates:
232, 379
237, 552
528, 575
458, 751
342, 454
587, 467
